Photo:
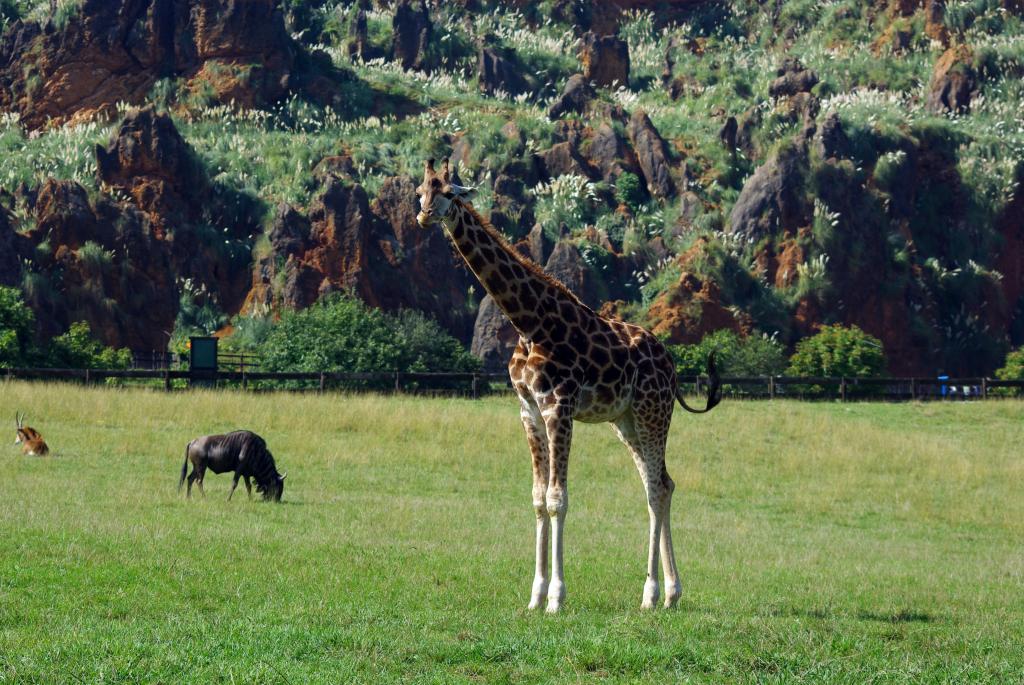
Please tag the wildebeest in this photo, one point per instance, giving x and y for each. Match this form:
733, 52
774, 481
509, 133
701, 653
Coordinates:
31, 440
242, 452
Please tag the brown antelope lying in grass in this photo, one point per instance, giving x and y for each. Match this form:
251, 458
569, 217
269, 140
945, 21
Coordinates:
31, 441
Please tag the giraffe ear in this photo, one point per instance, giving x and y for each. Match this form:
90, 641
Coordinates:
461, 192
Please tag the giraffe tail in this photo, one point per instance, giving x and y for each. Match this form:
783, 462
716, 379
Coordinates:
714, 389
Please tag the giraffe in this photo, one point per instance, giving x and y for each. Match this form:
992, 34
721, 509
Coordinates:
571, 365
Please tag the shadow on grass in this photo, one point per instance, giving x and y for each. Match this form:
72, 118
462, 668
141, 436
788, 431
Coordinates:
901, 616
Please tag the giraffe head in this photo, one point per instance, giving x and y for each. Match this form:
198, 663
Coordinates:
438, 194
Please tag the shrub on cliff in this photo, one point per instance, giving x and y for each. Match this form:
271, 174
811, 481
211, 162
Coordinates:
751, 356
77, 349
17, 325
838, 351
1013, 367
343, 334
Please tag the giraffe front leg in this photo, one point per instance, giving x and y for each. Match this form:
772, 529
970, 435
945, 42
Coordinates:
558, 421
536, 436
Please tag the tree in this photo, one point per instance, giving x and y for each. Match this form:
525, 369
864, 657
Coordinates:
1013, 367
341, 333
837, 351
77, 349
755, 355
17, 327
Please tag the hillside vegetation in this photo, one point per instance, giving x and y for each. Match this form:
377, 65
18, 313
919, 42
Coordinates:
692, 166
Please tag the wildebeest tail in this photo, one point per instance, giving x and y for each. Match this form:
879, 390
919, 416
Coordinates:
714, 389
184, 467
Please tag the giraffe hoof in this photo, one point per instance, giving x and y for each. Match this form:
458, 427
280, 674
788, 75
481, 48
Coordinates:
534, 604
554, 606
672, 596
652, 592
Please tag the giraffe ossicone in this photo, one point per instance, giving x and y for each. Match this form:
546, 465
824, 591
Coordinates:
571, 364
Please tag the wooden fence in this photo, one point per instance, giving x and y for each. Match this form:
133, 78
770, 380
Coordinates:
477, 384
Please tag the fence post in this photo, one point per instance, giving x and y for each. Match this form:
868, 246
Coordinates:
771, 387
984, 388
913, 388
167, 378
87, 376
398, 384
322, 382
842, 389
245, 380
476, 391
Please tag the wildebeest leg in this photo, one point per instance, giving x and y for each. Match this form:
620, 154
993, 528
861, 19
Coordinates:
199, 480
234, 484
248, 486
191, 479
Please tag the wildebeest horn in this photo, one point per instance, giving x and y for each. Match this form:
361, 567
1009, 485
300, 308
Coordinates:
284, 475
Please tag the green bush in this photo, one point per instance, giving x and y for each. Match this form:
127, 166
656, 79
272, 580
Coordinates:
1013, 367
838, 351
17, 326
343, 334
77, 349
736, 356
629, 191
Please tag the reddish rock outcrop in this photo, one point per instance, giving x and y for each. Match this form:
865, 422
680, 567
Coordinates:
148, 159
652, 154
376, 251
605, 60
954, 82
106, 266
115, 50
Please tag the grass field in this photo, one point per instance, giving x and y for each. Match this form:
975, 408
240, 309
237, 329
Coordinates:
817, 543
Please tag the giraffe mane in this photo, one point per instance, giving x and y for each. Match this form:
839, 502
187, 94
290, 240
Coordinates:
531, 266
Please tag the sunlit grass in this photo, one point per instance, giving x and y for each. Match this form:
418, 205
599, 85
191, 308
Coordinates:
818, 543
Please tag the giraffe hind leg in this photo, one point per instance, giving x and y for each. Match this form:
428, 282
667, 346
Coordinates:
645, 439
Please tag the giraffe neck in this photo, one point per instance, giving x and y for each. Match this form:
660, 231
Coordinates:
528, 298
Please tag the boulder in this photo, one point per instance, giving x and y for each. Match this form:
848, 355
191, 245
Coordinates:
564, 158
148, 159
652, 155
792, 78
566, 263
935, 21
494, 338
411, 28
610, 154
605, 60
772, 200
727, 134
357, 43
498, 69
832, 140
575, 97
954, 82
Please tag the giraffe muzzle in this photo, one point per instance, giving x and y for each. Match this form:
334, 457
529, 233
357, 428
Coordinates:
424, 219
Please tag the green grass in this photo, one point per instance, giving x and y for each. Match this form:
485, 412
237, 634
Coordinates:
817, 543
